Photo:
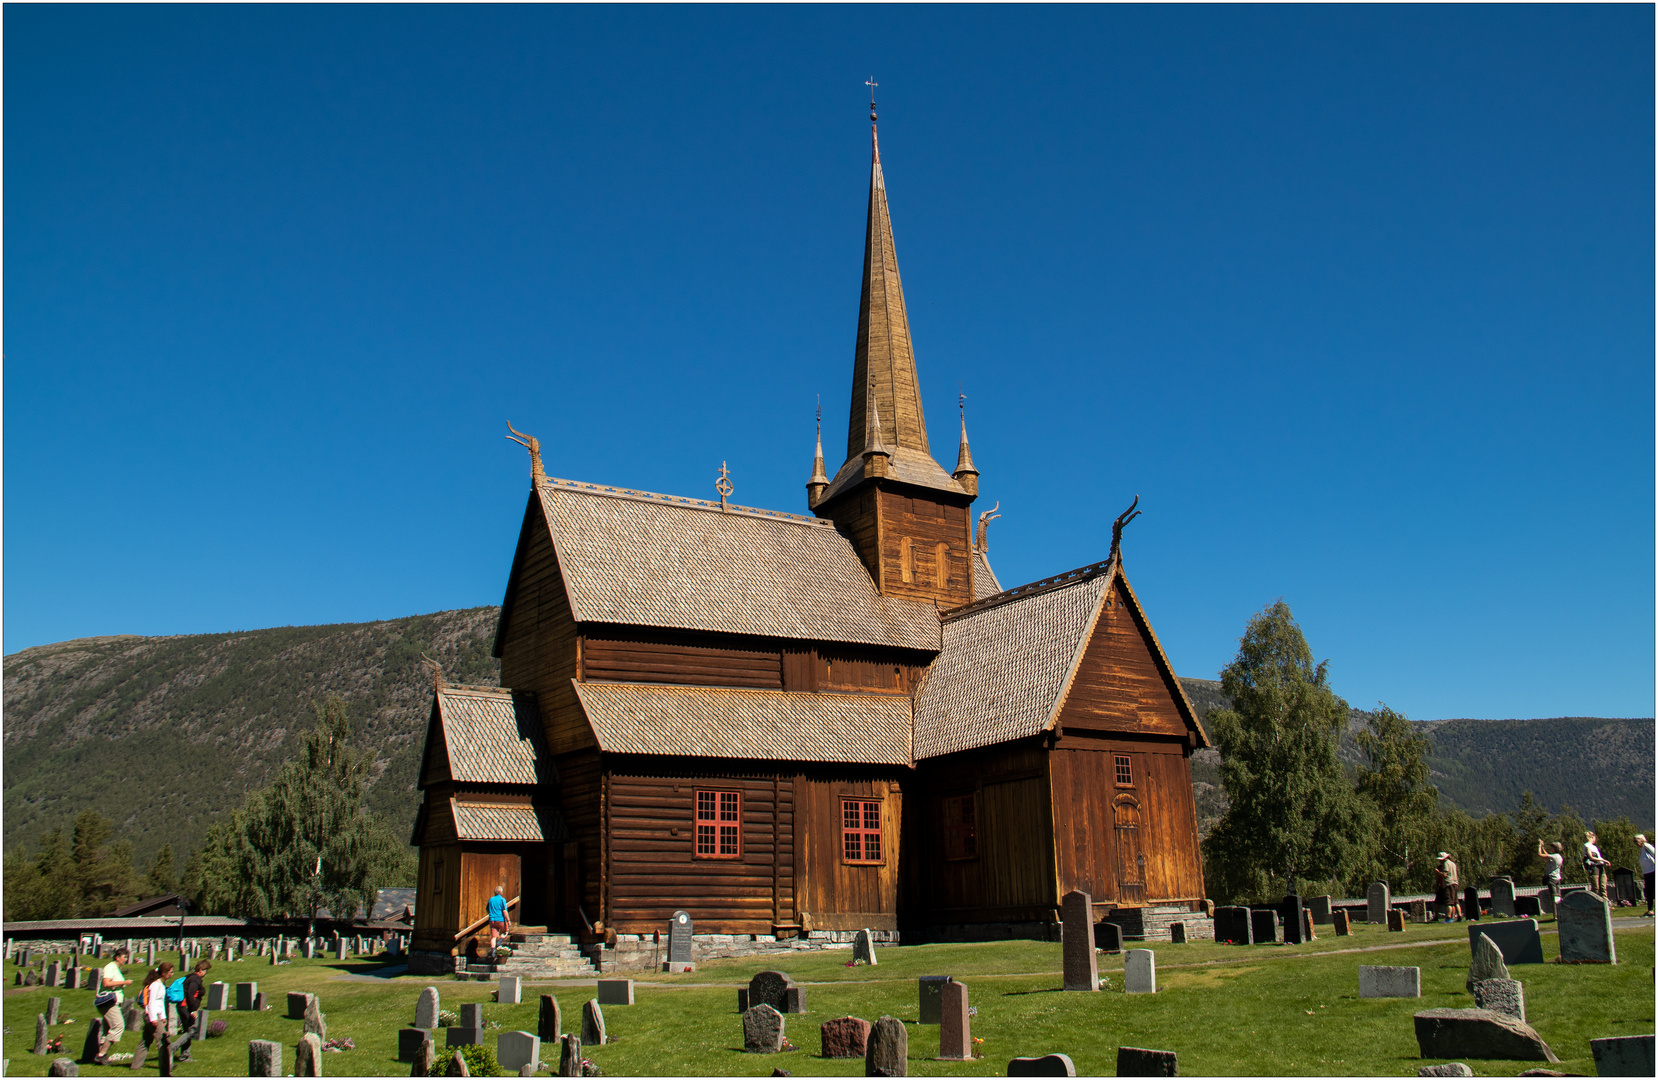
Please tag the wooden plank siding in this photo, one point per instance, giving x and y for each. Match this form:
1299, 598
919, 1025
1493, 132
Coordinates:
437, 903
1159, 803
857, 516
1119, 686
926, 549
539, 639
581, 784
835, 894
652, 866
636, 655
1011, 875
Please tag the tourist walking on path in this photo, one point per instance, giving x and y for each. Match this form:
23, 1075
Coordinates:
108, 1002
1649, 863
154, 999
187, 1002
1447, 882
497, 919
1553, 860
1595, 863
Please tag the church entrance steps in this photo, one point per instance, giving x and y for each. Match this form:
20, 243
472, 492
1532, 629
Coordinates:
537, 956
1151, 923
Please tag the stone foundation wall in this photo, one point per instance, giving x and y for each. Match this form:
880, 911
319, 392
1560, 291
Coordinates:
648, 952
422, 962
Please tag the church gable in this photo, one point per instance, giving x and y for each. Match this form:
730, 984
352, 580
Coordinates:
1123, 683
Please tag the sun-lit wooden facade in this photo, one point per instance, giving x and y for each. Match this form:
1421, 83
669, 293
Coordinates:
788, 724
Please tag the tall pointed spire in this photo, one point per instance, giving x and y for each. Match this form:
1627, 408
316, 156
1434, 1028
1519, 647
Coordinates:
885, 359
820, 478
875, 453
966, 475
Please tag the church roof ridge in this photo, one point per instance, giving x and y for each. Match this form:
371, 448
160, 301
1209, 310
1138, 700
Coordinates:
684, 502
1019, 592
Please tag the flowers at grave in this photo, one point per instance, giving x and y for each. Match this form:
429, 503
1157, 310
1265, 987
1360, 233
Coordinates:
503, 953
215, 1028
448, 1018
118, 1057
54, 1045
336, 1045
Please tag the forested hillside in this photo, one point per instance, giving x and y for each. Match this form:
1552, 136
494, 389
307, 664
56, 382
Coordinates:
165, 734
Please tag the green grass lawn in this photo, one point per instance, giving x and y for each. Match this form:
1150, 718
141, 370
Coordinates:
1227, 1010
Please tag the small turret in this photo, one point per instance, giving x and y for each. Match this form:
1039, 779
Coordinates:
966, 475
820, 478
877, 458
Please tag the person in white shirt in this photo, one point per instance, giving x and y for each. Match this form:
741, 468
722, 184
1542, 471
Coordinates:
1649, 863
1553, 860
155, 1002
1595, 864
114, 1026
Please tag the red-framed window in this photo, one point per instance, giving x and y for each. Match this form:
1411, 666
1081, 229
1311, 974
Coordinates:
1125, 771
719, 825
861, 831
961, 827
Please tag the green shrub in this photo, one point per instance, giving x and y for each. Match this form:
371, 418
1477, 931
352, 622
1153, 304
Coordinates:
480, 1060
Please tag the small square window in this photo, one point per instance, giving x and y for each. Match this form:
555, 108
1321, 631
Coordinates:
1125, 771
861, 831
719, 825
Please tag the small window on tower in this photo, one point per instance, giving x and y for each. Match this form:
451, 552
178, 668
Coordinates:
719, 825
1125, 771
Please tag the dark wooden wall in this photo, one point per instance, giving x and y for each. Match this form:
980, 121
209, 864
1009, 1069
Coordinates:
640, 654
1119, 686
1012, 876
923, 524
1085, 819
539, 643
652, 868
581, 797
834, 894
437, 909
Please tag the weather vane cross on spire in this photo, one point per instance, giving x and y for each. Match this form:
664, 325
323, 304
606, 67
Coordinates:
872, 84
723, 485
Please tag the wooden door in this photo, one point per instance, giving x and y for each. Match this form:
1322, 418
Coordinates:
481, 872
1131, 859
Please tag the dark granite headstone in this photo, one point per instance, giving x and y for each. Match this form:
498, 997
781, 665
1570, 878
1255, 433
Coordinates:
1419, 911
1046, 1065
411, 1043
1478, 1033
930, 998
1623, 1055
94, 1036
1290, 915
847, 1037
1133, 1061
762, 1030
1343, 926
63, 1067
549, 1026
1233, 926
472, 1014
1378, 902
264, 1058
888, 1050
1502, 897
1396, 920
1624, 887
1177, 933
794, 1000
1585, 924
1263, 926
592, 1024
569, 1057
769, 988
742, 999
1527, 907
1471, 903
1320, 907
1517, 940
245, 993
1082, 971
1108, 936
679, 938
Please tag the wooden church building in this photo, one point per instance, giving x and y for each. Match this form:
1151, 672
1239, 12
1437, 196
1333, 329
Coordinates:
803, 725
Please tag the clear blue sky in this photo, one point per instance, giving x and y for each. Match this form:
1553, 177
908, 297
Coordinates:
1358, 300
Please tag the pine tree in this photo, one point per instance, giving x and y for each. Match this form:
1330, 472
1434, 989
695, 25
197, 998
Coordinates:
1293, 814
160, 880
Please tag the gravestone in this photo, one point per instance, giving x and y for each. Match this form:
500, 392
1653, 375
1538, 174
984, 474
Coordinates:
1502, 897
427, 1059
310, 950
340, 950
245, 993
863, 947
42, 1037
72, 978
199, 1032
1134, 1061
218, 996
510, 990
549, 1024
52, 1007
1140, 972
1501, 995
1478, 1033
1320, 907
847, 1037
569, 1056
742, 999
1233, 926
1623, 883
769, 988
1487, 962
1108, 937
458, 1066
955, 1028
129, 1015
516, 1049
264, 1058
592, 1024
1517, 940
1307, 926
472, 1014
1177, 933
1339, 920
164, 1062
1290, 914
1585, 924
1419, 911
888, 1050
1389, 982
94, 1036
679, 941
1378, 902
316, 1022
1545, 901
1471, 903
63, 1067
1527, 907
54, 972
427, 1007
620, 991
1082, 971
308, 1056
930, 998
1625, 1055
463, 1035
1046, 1065
794, 1000
1263, 926
297, 1003
1396, 920
411, 1043
762, 1030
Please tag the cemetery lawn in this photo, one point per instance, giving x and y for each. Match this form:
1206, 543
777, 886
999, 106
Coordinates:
1227, 1010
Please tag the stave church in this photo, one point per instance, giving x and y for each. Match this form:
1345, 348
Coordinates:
796, 726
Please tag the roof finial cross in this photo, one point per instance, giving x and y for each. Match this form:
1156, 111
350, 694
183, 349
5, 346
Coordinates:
723, 485
872, 84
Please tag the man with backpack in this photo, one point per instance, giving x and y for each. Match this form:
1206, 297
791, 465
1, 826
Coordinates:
185, 995
108, 1004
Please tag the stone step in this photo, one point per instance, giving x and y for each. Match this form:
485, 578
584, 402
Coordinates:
531, 938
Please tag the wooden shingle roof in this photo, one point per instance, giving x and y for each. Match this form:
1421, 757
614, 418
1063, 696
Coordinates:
1006, 661
767, 725
638, 559
530, 824
485, 735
